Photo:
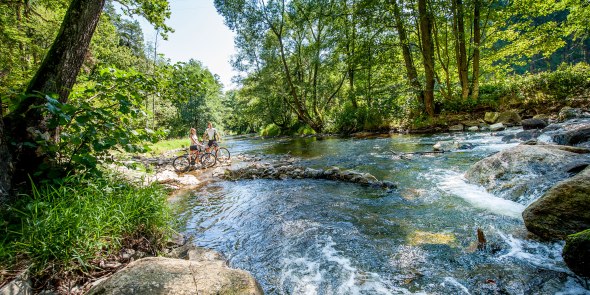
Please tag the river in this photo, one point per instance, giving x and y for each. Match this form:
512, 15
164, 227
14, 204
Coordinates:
308, 236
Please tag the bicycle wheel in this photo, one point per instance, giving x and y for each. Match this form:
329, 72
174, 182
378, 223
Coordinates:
222, 155
208, 160
181, 163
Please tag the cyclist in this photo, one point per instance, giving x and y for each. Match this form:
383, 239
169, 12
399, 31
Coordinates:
195, 146
212, 135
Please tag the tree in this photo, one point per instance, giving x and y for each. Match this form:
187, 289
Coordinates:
28, 124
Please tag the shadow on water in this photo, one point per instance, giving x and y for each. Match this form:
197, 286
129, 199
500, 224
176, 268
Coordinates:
326, 237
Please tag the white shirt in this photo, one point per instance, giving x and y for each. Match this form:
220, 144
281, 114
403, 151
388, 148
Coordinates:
211, 133
194, 139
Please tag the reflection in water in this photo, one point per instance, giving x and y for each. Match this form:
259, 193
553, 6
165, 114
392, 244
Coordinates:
325, 237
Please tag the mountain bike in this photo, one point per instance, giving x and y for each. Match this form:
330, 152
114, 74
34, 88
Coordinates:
222, 154
184, 162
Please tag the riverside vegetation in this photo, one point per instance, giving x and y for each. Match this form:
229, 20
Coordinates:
80, 90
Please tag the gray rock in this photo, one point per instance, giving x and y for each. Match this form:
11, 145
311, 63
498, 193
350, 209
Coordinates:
21, 285
473, 128
528, 124
497, 127
524, 172
568, 113
445, 145
563, 210
458, 127
509, 118
573, 135
158, 275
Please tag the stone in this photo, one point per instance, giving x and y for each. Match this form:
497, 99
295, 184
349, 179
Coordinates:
497, 127
458, 127
445, 145
491, 117
509, 118
543, 117
21, 285
523, 173
159, 275
563, 210
473, 128
576, 253
574, 135
528, 124
567, 113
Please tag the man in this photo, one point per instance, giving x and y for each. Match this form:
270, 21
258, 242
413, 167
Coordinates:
212, 135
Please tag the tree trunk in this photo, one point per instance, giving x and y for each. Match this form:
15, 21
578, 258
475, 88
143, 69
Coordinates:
460, 48
425, 20
5, 163
476, 44
412, 74
57, 74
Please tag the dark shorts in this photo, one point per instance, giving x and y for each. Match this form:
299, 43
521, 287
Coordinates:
212, 143
196, 148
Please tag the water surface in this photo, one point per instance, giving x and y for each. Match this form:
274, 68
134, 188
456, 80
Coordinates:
326, 237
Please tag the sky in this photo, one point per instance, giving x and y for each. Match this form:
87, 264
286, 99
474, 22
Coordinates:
200, 34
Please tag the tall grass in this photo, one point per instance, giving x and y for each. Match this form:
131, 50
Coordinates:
70, 224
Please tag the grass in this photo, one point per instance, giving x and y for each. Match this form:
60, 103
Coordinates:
65, 227
162, 146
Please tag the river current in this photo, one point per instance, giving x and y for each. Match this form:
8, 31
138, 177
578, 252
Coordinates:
305, 236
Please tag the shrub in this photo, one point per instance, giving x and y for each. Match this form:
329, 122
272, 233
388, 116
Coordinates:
270, 130
67, 225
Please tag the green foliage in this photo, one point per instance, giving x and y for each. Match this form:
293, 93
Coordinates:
166, 145
270, 130
104, 116
68, 224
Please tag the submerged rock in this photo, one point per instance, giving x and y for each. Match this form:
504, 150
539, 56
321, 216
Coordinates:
497, 127
562, 210
159, 275
576, 253
283, 172
524, 172
445, 145
575, 135
458, 127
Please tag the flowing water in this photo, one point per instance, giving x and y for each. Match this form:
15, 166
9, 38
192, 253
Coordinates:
310, 236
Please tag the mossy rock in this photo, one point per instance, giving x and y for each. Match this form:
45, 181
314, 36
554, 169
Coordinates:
576, 253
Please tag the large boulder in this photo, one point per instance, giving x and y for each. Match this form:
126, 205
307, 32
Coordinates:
576, 253
522, 173
159, 275
529, 124
509, 118
563, 210
575, 135
497, 127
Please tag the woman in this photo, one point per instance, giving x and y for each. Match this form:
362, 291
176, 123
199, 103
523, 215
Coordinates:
194, 147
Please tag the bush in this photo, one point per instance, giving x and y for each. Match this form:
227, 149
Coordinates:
270, 130
65, 226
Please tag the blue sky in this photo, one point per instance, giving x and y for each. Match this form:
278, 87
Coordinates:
199, 34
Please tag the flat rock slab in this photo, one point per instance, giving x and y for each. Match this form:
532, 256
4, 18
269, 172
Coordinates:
159, 275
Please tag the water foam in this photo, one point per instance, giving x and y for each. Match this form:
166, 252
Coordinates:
452, 281
544, 255
302, 275
456, 184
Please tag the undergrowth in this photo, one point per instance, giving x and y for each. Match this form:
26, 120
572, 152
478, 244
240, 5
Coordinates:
65, 227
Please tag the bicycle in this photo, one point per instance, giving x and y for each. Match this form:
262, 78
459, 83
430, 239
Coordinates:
184, 162
221, 153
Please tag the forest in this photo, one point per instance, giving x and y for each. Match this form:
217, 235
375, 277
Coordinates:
73, 100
